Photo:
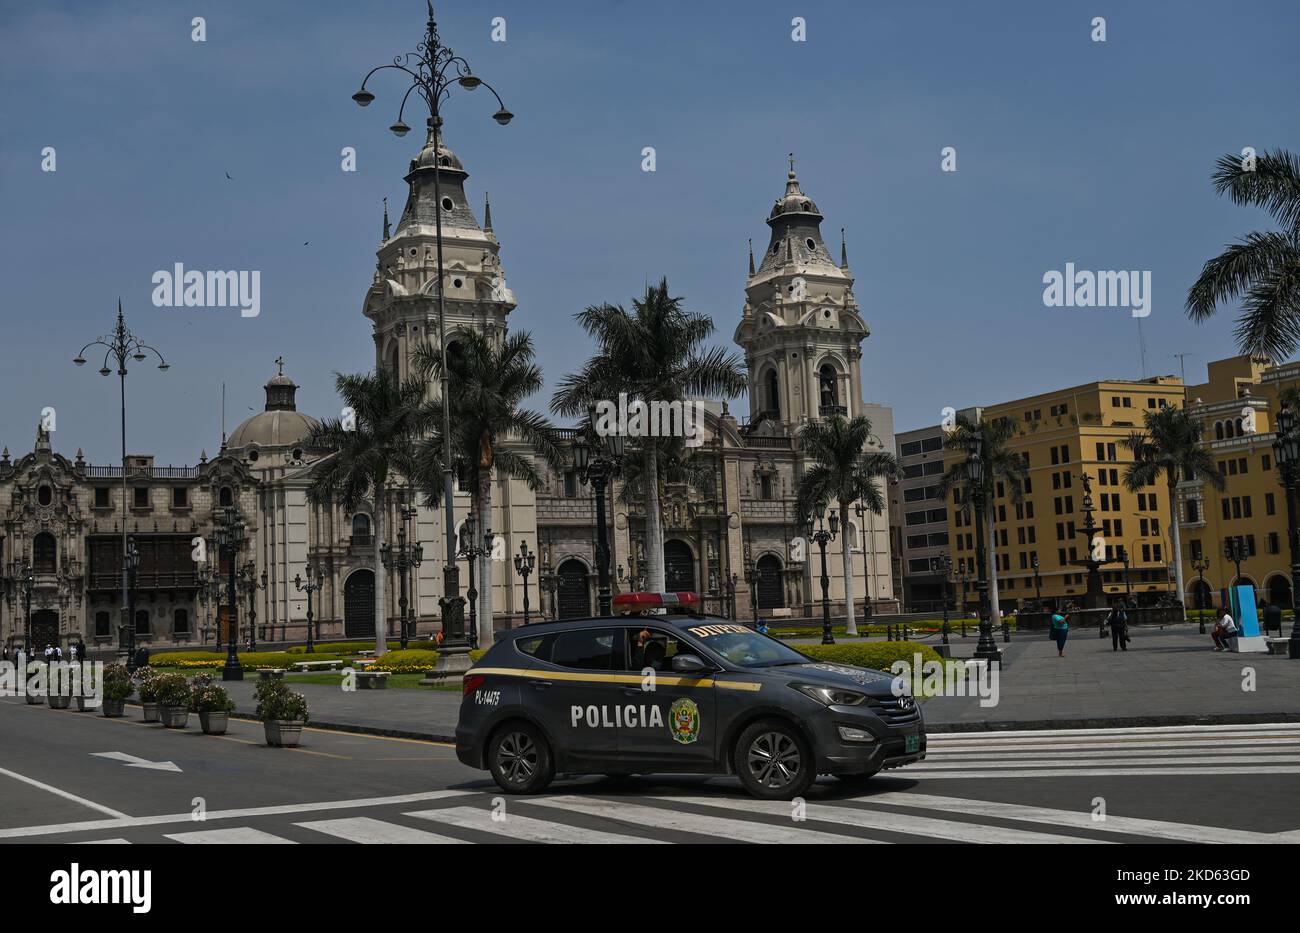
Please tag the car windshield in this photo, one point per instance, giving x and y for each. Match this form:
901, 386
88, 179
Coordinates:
741, 645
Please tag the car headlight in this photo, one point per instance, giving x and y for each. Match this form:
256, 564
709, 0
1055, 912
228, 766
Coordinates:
831, 696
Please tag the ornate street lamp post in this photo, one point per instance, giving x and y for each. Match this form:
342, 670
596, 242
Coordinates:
402, 559
433, 70
822, 536
122, 345
964, 579
315, 580
525, 563
944, 564
230, 540
471, 550
987, 648
1200, 565
1287, 451
1038, 581
1234, 549
26, 577
132, 568
250, 583
751, 577
596, 460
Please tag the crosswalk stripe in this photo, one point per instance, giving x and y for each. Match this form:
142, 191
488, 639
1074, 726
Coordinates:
236, 835
369, 831
890, 822
1129, 748
524, 828
997, 762
914, 774
1159, 829
689, 822
1217, 731
101, 842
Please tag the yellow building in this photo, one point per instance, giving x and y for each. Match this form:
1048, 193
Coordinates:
1061, 436
1237, 407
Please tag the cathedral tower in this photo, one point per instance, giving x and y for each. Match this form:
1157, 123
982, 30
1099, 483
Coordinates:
801, 330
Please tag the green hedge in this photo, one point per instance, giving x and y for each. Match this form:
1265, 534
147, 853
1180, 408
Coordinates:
348, 648
411, 661
878, 655
249, 660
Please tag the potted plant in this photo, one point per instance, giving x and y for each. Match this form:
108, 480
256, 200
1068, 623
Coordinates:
212, 703
118, 688
33, 673
58, 687
173, 695
283, 713
148, 692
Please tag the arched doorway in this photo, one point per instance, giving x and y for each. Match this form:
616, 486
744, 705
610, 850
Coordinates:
771, 594
679, 567
1279, 592
45, 629
359, 605
573, 600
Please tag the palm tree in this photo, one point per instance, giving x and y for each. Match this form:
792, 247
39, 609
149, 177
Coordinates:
655, 353
488, 381
842, 471
1170, 444
1000, 465
1263, 269
363, 456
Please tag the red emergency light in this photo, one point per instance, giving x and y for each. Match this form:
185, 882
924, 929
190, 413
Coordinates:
633, 603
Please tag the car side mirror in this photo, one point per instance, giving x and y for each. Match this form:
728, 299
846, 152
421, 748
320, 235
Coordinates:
690, 664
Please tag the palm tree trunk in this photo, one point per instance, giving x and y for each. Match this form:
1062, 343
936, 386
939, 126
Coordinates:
381, 615
486, 566
850, 623
1175, 535
991, 558
654, 528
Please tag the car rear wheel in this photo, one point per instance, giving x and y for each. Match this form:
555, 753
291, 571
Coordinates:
773, 761
520, 759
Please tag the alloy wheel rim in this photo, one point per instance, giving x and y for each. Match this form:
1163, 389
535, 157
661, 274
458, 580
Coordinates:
517, 758
774, 759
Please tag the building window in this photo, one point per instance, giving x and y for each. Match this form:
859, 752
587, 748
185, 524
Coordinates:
765, 487
1270, 504
226, 497
180, 497
45, 553
570, 484
141, 500
361, 529
101, 497
102, 624
181, 622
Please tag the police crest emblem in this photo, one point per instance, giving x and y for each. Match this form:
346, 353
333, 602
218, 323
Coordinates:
684, 721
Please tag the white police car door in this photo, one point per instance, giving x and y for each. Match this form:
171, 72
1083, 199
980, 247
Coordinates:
578, 693
669, 721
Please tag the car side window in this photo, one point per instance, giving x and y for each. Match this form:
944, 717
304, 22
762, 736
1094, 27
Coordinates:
595, 649
538, 647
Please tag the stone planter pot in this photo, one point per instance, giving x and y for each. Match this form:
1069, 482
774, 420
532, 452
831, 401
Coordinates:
214, 723
85, 703
59, 701
114, 708
151, 711
283, 733
175, 717
35, 699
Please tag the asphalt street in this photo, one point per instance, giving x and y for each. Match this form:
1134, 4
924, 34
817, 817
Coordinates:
78, 777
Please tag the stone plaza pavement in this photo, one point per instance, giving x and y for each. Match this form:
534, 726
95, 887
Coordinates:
1167, 677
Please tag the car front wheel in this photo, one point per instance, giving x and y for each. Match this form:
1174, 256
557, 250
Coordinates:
520, 759
774, 761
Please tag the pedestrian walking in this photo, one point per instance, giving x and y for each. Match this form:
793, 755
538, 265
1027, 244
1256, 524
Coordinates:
1118, 622
1060, 631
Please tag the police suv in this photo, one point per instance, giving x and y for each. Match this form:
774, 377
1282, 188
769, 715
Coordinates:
642, 692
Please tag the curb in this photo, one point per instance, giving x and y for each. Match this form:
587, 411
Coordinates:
1113, 722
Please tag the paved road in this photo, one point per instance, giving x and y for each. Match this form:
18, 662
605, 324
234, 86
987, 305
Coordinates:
1157, 786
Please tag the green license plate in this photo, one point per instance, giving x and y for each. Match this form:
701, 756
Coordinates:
911, 743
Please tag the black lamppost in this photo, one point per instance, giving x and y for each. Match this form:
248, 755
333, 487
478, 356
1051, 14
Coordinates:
1128, 581
596, 460
987, 648
964, 579
132, 568
26, 578
402, 559
433, 70
1038, 581
751, 577
1200, 565
1287, 451
547, 583
525, 564
315, 580
122, 345
471, 549
230, 540
822, 536
250, 583
944, 564
868, 554
1234, 549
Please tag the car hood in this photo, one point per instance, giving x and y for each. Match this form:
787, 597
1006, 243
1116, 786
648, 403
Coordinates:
848, 676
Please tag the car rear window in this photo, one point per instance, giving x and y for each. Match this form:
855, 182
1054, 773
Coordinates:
539, 646
587, 649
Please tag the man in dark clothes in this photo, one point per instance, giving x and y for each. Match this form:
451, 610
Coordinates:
1118, 622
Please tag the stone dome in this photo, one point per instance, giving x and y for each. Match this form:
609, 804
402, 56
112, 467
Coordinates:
280, 424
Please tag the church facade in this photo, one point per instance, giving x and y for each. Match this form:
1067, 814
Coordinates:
800, 330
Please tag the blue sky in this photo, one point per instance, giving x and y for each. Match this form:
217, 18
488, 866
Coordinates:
1068, 150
